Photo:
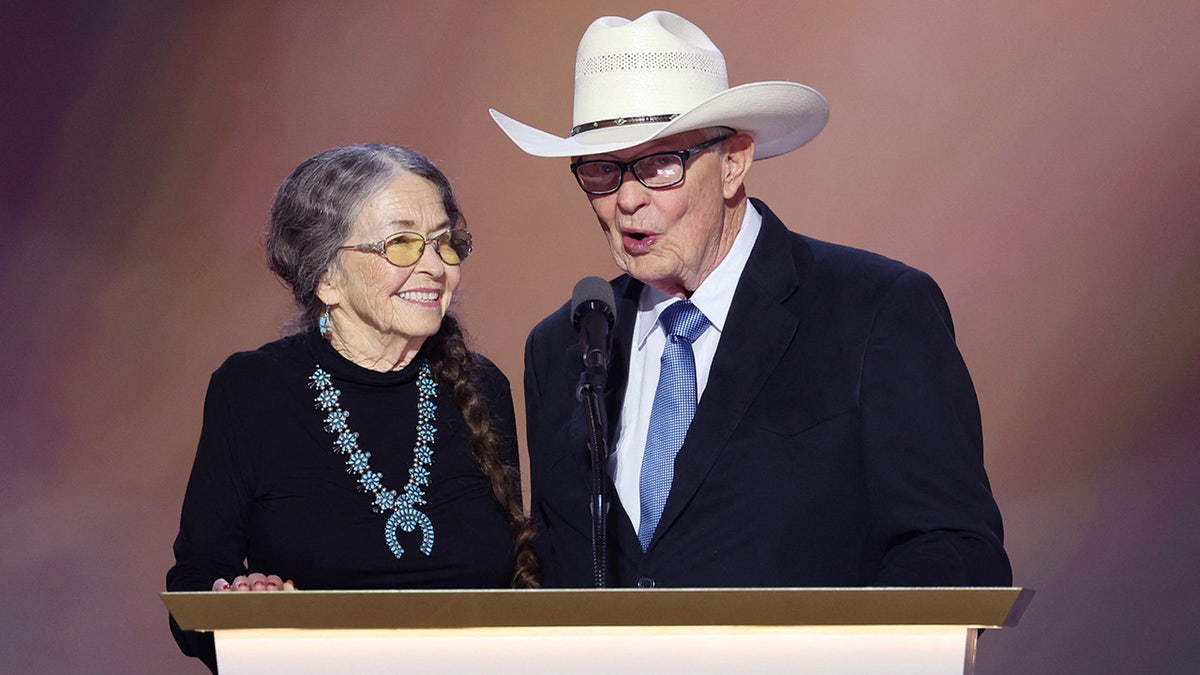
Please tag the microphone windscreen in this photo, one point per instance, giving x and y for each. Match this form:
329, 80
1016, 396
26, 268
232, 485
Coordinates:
593, 290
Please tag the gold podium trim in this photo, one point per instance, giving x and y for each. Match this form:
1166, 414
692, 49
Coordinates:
448, 609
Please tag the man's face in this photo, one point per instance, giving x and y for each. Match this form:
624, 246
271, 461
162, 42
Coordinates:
672, 238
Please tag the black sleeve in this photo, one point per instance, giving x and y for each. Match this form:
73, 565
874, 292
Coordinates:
214, 523
923, 448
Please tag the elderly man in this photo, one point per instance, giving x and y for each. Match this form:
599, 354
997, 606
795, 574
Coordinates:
783, 411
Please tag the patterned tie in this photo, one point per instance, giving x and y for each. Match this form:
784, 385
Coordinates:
674, 406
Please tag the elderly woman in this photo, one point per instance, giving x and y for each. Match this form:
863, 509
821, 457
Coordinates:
370, 449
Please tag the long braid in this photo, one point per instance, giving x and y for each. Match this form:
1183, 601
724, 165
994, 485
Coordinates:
453, 363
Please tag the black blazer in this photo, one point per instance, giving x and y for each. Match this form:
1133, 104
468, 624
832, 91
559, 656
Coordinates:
837, 442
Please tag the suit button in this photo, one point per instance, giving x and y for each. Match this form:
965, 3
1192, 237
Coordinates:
645, 582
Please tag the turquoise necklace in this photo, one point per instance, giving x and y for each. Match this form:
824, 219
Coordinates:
403, 505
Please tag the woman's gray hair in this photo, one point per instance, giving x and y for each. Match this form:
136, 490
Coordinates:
316, 206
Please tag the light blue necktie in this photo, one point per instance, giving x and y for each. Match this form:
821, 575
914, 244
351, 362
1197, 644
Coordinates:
671, 414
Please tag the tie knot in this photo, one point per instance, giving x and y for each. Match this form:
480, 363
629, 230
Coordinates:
683, 320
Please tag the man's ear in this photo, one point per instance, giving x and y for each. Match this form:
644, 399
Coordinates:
739, 154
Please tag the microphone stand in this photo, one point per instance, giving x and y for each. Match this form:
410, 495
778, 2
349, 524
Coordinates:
593, 316
589, 396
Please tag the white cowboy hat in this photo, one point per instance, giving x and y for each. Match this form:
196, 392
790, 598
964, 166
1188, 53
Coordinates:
659, 75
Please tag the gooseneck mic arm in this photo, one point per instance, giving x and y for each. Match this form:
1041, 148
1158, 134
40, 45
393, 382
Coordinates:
593, 315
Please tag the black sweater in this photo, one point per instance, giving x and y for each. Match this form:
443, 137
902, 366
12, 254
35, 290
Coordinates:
269, 494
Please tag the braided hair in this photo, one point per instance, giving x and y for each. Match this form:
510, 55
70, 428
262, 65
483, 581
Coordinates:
455, 365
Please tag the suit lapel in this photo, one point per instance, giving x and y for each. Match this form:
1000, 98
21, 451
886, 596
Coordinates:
757, 332
626, 292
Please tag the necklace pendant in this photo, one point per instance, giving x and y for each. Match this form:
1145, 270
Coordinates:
409, 519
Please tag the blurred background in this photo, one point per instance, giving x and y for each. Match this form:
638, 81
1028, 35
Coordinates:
1040, 159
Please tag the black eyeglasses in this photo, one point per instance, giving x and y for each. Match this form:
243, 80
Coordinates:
404, 249
657, 171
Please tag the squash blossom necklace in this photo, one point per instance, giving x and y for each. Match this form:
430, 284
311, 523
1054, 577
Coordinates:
403, 505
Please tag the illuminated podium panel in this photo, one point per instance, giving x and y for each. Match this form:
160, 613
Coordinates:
768, 630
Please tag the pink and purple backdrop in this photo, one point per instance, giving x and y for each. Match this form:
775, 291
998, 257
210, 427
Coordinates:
1040, 159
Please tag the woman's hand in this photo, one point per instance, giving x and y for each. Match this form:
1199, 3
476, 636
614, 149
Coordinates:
255, 581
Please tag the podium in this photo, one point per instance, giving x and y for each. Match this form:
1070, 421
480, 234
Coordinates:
760, 630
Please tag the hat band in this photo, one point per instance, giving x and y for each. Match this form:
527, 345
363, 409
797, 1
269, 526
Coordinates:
621, 121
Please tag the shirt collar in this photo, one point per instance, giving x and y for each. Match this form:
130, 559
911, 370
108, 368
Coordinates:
715, 294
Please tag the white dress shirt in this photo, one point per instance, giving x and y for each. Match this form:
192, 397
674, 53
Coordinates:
713, 298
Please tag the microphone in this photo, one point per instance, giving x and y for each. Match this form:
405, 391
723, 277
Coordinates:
593, 315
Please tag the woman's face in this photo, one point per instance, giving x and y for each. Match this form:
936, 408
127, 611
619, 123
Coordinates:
373, 303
